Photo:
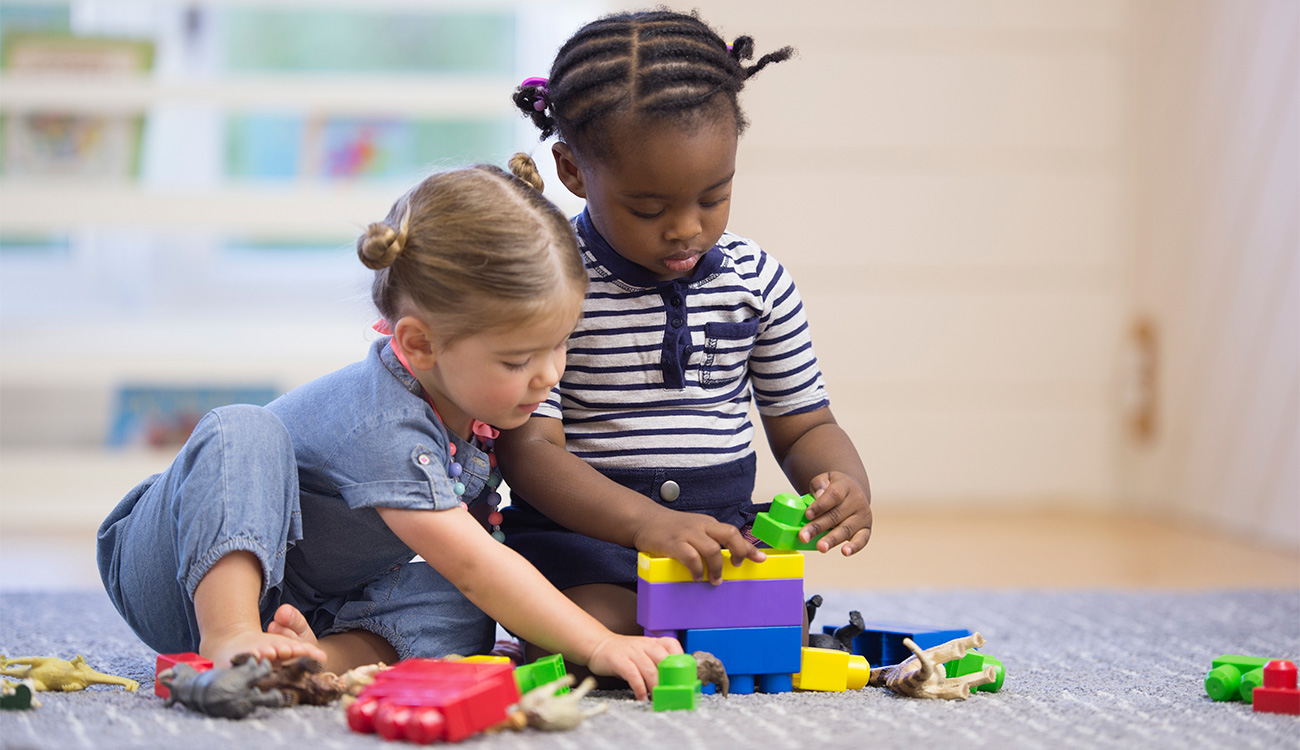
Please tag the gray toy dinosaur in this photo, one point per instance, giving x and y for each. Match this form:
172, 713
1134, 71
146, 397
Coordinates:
223, 692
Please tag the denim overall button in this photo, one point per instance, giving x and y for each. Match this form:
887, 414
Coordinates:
669, 491
423, 459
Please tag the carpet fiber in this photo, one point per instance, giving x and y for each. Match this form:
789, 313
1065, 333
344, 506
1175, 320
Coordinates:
1084, 670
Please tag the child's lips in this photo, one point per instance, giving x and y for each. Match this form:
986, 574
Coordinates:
681, 262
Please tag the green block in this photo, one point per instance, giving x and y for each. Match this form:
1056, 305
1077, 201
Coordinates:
974, 662
780, 526
1249, 681
1226, 679
16, 696
544, 670
678, 684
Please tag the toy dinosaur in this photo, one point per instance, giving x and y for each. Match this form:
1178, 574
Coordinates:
710, 671
842, 640
300, 681
544, 709
49, 673
922, 675
222, 692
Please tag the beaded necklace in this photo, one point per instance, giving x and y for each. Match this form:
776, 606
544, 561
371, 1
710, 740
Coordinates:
483, 434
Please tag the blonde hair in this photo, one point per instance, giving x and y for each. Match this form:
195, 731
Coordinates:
475, 248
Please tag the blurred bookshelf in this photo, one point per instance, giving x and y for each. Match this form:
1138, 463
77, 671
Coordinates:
217, 256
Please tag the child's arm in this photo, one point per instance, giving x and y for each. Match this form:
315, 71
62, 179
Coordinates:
511, 591
814, 452
575, 495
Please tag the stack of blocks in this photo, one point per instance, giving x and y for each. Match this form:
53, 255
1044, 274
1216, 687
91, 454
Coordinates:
752, 621
1268, 684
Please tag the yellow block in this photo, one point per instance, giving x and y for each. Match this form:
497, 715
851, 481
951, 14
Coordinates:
780, 563
488, 659
831, 671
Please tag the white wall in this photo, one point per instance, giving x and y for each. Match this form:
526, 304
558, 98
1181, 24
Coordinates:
1216, 169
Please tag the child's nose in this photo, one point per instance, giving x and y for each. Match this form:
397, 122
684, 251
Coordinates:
685, 226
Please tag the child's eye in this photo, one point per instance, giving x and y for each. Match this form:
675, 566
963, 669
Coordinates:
644, 215
516, 365
718, 202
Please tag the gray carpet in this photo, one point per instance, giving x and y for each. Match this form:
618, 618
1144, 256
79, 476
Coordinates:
1084, 670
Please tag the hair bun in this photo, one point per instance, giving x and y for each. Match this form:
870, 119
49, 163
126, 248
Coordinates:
523, 167
381, 244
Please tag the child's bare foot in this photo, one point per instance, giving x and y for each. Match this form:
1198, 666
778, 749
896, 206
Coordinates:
287, 637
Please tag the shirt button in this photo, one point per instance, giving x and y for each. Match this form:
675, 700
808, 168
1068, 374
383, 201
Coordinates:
676, 300
669, 491
677, 322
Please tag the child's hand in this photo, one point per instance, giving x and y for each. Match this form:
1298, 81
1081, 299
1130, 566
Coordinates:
696, 541
841, 506
634, 658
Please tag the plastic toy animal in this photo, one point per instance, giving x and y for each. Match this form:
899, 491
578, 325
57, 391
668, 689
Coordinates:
842, 640
922, 675
49, 673
544, 709
710, 671
300, 681
222, 692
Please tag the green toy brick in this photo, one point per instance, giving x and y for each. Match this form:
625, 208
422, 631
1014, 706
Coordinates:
17, 696
679, 685
974, 662
1227, 678
544, 670
780, 526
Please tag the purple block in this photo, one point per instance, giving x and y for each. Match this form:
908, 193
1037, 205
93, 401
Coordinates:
733, 604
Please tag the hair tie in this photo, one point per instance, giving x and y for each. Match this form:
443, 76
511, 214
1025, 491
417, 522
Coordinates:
540, 101
400, 240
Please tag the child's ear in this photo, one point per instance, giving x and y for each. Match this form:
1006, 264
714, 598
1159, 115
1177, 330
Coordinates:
566, 167
415, 340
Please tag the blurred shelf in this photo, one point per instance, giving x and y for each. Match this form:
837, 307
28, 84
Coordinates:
390, 95
295, 209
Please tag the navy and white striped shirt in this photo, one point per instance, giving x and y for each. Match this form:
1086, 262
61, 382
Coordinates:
661, 373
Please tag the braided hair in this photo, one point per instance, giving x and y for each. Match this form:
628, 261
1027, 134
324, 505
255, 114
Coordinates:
653, 64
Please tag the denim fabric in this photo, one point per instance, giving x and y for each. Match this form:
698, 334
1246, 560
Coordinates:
569, 559
279, 482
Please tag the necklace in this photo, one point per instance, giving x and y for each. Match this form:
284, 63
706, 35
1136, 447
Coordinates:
481, 432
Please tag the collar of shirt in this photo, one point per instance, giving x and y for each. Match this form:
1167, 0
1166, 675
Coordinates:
632, 274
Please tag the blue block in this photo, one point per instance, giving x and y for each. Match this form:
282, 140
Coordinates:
732, 604
750, 651
882, 642
776, 683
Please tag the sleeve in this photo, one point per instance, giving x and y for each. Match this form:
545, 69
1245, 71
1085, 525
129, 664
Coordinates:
551, 406
783, 366
394, 463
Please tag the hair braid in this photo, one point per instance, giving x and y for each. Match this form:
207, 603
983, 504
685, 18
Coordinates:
660, 63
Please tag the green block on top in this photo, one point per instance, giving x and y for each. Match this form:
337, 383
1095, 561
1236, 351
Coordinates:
544, 670
780, 526
679, 686
974, 662
1232, 677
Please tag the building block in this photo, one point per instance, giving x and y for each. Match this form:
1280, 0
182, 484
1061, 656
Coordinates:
544, 670
780, 526
831, 670
1278, 694
749, 653
974, 662
167, 661
881, 643
679, 684
489, 659
780, 563
426, 700
1233, 677
732, 604
15, 696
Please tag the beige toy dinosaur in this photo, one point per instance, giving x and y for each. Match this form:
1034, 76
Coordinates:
543, 709
922, 675
49, 673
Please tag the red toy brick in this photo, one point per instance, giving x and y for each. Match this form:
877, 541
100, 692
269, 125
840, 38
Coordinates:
425, 700
1278, 694
167, 661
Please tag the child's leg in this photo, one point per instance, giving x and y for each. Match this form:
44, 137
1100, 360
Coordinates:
232, 489
230, 623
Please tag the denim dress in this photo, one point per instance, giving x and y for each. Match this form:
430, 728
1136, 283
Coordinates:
296, 483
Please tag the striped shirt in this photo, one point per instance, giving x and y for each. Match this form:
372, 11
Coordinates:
662, 373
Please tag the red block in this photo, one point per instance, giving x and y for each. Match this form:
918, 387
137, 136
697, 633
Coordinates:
426, 700
167, 661
1278, 694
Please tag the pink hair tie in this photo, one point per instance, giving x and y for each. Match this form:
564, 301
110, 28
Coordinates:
382, 327
539, 103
